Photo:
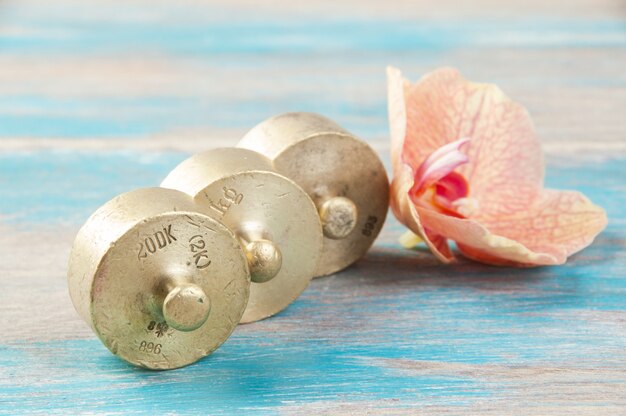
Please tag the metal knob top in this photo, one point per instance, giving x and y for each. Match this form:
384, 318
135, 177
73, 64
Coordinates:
339, 216
186, 307
264, 260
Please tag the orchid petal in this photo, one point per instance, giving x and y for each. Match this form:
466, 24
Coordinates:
404, 209
505, 166
439, 164
470, 233
553, 227
397, 114
451, 187
449, 192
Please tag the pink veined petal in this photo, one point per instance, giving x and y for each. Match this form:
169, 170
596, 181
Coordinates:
440, 243
452, 187
558, 221
470, 233
554, 226
397, 115
505, 167
449, 189
405, 211
439, 164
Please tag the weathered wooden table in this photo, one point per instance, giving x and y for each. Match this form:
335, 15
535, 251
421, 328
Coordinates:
97, 98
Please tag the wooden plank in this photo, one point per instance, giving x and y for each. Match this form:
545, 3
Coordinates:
98, 99
397, 331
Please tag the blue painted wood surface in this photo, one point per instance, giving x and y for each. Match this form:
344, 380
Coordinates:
98, 99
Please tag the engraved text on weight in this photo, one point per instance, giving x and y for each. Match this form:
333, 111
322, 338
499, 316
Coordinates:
229, 197
200, 254
157, 241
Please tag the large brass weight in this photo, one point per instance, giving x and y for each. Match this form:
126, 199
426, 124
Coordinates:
342, 174
234, 235
159, 283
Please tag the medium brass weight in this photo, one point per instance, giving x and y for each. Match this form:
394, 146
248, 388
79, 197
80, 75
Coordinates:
342, 174
273, 218
161, 284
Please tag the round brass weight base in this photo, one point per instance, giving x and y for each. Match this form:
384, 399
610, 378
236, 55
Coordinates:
159, 283
341, 173
274, 219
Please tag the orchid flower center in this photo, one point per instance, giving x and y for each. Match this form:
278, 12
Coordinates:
437, 186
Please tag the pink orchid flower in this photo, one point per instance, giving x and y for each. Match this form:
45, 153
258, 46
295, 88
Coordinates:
468, 167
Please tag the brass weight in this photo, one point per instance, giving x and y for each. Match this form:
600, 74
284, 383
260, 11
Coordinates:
274, 219
159, 283
341, 173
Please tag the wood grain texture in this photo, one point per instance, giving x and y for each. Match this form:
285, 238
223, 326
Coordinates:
97, 98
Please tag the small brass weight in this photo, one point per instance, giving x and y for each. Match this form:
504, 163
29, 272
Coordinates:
341, 173
159, 283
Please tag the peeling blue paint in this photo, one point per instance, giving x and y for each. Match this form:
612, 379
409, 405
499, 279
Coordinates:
235, 378
357, 350
250, 35
242, 43
62, 186
140, 117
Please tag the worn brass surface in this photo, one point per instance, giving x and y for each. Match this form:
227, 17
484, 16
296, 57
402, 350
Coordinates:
339, 216
273, 217
264, 260
342, 174
161, 284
